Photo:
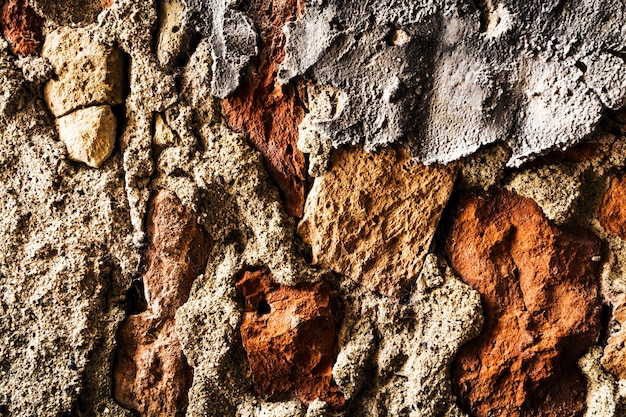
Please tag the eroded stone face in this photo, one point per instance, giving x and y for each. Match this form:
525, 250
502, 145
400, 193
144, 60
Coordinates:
290, 336
21, 26
87, 73
151, 373
539, 289
372, 216
268, 112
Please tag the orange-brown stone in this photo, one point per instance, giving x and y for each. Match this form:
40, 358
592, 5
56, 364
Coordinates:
539, 289
290, 336
372, 216
177, 254
614, 356
21, 26
613, 208
151, 374
268, 112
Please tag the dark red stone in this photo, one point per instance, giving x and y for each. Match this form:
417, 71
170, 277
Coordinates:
21, 26
151, 374
290, 336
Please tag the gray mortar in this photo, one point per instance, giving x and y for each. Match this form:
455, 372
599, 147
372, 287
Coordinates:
405, 345
537, 77
232, 37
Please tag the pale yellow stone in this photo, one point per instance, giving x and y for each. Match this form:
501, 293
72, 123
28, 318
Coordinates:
372, 216
173, 37
163, 135
86, 72
88, 134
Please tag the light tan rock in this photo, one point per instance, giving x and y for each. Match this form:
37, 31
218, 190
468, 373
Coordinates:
87, 73
163, 135
173, 33
88, 134
372, 216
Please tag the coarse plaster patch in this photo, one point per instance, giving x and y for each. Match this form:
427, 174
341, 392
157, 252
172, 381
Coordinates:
538, 77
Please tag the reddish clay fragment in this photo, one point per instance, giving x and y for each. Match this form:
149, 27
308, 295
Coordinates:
539, 289
21, 26
290, 336
268, 112
151, 374
613, 209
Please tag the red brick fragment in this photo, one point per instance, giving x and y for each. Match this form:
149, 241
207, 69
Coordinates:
268, 112
106, 3
151, 374
290, 336
613, 208
539, 289
21, 26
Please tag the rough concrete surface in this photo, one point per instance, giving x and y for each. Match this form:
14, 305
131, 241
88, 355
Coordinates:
229, 109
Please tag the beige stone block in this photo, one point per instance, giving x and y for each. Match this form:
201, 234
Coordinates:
89, 134
174, 37
372, 216
87, 73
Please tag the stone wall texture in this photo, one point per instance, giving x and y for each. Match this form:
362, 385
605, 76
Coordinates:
308, 208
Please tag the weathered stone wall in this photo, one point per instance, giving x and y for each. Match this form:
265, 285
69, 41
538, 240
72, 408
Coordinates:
312, 208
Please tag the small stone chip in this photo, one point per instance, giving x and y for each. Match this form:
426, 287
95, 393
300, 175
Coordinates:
89, 134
